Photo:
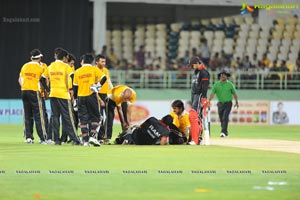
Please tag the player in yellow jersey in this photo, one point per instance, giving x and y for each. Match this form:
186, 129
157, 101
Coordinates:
58, 73
119, 97
29, 81
88, 105
100, 63
64, 136
181, 121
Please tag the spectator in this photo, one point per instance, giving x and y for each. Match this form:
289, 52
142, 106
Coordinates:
246, 64
283, 67
159, 61
265, 60
149, 59
236, 63
112, 60
215, 62
204, 51
140, 58
254, 61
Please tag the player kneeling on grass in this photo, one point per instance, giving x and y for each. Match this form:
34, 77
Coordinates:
87, 81
181, 122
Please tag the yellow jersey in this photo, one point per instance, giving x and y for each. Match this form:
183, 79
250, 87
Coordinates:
182, 122
116, 94
42, 91
58, 73
30, 75
70, 83
105, 87
86, 76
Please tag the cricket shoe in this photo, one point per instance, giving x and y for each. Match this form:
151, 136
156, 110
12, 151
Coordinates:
223, 135
29, 141
43, 142
192, 143
94, 142
51, 142
107, 141
86, 144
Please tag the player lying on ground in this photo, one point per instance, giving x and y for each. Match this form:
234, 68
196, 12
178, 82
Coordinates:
152, 132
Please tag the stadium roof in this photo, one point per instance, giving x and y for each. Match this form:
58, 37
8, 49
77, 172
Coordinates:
199, 2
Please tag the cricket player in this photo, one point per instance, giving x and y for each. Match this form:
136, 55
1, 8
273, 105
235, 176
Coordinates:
58, 74
181, 121
64, 136
85, 79
118, 97
33, 109
150, 132
200, 82
101, 64
195, 124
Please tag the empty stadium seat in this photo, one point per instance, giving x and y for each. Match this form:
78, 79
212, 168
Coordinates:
286, 42
272, 57
239, 20
296, 42
219, 34
288, 35
264, 34
228, 42
249, 19
277, 35
295, 48
262, 42
208, 34
253, 34
176, 27
228, 49
255, 27
228, 20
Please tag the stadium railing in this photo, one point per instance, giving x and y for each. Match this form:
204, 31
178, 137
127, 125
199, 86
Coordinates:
182, 80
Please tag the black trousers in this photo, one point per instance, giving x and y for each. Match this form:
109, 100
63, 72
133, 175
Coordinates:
45, 116
196, 104
33, 112
224, 111
89, 115
64, 135
110, 110
63, 108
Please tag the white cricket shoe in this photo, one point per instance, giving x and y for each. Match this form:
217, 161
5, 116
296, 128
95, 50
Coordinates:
192, 143
94, 142
223, 135
29, 141
86, 144
51, 142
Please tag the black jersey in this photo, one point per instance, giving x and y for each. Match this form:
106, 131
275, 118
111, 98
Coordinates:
200, 82
150, 132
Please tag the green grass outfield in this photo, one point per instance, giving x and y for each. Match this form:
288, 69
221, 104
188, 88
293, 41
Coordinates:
149, 172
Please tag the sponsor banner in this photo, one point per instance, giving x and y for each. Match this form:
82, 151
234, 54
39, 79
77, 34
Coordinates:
285, 112
11, 111
249, 112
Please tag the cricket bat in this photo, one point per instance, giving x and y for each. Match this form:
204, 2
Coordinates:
205, 122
